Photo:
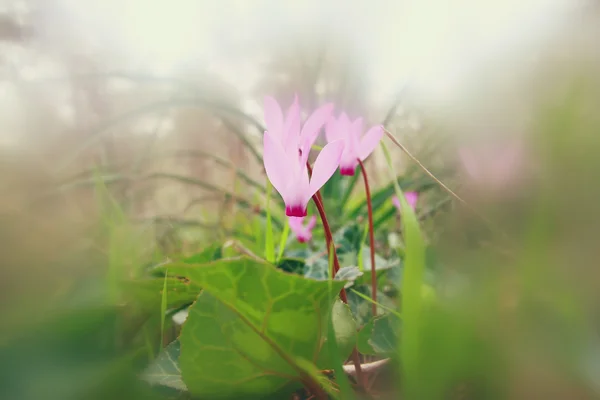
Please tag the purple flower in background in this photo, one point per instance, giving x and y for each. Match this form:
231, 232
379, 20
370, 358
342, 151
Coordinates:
302, 232
492, 164
411, 199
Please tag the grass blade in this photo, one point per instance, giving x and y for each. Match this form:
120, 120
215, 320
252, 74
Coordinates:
370, 300
283, 241
269, 243
163, 310
414, 268
361, 263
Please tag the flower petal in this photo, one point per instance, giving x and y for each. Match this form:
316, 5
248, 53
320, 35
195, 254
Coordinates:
291, 125
311, 223
273, 117
396, 202
370, 141
297, 188
325, 165
348, 161
295, 224
276, 164
411, 199
313, 125
355, 134
332, 130
345, 120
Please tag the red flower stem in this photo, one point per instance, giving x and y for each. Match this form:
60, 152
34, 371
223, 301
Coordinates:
336, 267
371, 239
328, 235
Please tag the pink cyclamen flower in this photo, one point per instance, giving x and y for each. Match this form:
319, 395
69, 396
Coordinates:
286, 149
492, 165
357, 146
302, 232
411, 199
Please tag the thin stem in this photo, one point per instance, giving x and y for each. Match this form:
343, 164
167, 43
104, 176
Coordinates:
315, 389
371, 240
336, 266
360, 377
328, 236
329, 241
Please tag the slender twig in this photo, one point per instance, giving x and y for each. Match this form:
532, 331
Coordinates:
475, 212
371, 239
405, 150
367, 368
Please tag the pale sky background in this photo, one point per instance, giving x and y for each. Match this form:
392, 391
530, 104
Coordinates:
436, 44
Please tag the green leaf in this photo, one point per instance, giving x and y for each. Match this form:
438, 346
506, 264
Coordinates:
317, 269
165, 370
282, 241
349, 238
344, 328
247, 327
381, 263
163, 310
293, 265
348, 274
378, 304
361, 308
380, 336
310, 369
413, 277
147, 293
70, 354
269, 242
360, 256
386, 215
210, 253
240, 247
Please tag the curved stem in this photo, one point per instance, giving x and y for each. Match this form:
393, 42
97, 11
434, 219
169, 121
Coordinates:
329, 241
336, 267
371, 240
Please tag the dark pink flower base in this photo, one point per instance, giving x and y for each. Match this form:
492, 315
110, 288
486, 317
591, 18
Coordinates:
347, 171
295, 211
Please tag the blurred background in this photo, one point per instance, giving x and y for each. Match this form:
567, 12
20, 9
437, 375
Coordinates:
131, 132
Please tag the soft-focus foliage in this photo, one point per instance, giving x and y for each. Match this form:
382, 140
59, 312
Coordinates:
142, 260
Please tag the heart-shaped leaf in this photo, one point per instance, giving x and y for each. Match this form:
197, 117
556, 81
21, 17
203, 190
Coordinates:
208, 254
380, 336
348, 274
293, 265
344, 327
381, 263
249, 325
362, 308
164, 370
148, 292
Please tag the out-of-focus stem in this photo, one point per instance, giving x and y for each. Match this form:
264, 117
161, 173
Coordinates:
371, 239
